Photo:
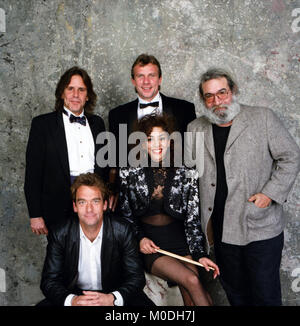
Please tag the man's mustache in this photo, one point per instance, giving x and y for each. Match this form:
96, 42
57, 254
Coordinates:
214, 108
221, 113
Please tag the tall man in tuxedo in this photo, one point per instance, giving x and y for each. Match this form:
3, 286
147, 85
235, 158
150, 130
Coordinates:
93, 259
61, 146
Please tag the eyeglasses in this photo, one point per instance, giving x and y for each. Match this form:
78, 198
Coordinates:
222, 94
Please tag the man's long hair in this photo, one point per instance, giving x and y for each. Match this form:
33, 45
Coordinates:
65, 80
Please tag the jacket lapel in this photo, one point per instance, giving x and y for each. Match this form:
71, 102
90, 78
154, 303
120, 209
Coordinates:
59, 138
94, 130
96, 126
167, 108
92, 126
132, 116
209, 139
72, 257
106, 249
239, 124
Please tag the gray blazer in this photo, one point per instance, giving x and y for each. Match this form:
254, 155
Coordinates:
260, 156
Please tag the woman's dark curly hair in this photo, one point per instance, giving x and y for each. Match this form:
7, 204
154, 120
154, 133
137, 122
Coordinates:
164, 121
149, 121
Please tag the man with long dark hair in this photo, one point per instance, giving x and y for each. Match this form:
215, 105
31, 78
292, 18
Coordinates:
61, 146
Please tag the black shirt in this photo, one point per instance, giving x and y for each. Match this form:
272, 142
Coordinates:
220, 135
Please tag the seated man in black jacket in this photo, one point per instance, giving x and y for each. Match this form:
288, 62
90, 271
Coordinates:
93, 260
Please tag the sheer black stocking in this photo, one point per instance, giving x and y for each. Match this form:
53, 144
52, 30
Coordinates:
186, 276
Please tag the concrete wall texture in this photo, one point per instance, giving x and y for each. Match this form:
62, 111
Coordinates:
259, 40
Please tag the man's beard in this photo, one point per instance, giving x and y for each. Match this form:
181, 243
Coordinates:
220, 117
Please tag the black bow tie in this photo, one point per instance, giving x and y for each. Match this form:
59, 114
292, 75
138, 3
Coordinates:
144, 105
81, 120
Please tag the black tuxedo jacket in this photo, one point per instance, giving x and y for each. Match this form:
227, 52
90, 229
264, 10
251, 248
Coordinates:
47, 175
181, 110
121, 266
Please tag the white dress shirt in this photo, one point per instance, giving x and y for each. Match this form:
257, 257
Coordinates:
80, 144
89, 267
150, 109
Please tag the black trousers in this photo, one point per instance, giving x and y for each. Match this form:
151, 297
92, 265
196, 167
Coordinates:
250, 274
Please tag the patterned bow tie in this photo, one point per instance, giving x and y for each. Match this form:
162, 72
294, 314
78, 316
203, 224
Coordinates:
81, 120
144, 105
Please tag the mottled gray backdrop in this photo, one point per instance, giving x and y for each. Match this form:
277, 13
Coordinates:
259, 40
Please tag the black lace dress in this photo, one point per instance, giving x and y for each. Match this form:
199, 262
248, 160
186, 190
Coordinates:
164, 230
163, 205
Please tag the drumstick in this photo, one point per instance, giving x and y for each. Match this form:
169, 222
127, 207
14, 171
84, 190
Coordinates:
181, 258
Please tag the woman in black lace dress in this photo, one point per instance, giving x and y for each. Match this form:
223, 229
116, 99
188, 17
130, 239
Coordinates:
163, 204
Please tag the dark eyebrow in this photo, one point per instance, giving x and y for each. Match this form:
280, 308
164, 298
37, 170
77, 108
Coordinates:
96, 198
218, 90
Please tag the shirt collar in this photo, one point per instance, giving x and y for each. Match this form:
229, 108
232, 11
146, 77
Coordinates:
83, 236
155, 99
70, 112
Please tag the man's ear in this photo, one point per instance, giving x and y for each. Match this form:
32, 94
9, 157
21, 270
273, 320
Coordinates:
133, 81
75, 207
235, 90
160, 80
